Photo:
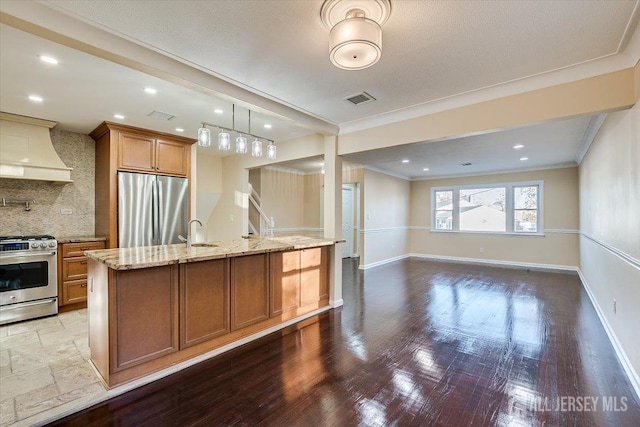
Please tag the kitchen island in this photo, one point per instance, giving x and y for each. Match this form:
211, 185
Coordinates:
153, 307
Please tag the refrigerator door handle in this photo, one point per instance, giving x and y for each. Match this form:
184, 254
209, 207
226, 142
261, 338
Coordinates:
160, 205
155, 237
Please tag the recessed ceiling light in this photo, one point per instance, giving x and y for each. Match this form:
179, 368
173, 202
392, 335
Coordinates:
522, 159
150, 90
518, 146
179, 130
425, 169
118, 116
267, 126
35, 98
405, 160
48, 59
218, 111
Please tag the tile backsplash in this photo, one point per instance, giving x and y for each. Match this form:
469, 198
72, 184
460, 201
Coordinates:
77, 151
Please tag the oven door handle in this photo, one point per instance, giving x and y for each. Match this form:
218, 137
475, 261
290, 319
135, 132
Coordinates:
30, 254
29, 304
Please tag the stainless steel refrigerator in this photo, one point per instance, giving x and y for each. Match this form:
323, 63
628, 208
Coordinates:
152, 209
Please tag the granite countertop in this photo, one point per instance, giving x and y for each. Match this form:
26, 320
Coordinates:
80, 239
156, 256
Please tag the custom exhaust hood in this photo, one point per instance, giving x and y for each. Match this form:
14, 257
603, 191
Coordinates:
26, 150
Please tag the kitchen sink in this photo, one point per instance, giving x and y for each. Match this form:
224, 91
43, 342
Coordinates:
204, 245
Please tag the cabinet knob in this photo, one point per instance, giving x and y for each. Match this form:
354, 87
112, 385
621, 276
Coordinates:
84, 285
83, 262
85, 248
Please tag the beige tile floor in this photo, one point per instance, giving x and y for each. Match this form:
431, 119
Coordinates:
44, 369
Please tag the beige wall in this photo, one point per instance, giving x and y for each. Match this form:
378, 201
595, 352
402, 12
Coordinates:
558, 247
282, 195
386, 217
208, 188
313, 187
77, 151
610, 214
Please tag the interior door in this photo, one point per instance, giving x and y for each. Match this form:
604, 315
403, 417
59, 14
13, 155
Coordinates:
347, 220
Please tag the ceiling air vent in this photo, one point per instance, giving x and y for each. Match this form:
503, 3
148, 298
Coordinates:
161, 115
465, 164
360, 98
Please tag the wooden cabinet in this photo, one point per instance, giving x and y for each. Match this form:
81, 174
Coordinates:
126, 148
314, 284
298, 279
146, 153
249, 290
145, 316
72, 273
284, 275
204, 301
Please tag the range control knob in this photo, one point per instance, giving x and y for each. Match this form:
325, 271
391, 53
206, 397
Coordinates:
52, 244
34, 245
43, 245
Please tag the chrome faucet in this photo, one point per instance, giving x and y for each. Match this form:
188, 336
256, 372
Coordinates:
188, 239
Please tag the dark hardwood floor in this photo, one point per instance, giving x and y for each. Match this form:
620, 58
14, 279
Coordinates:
417, 343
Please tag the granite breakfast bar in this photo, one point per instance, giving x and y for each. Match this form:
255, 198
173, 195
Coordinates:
152, 307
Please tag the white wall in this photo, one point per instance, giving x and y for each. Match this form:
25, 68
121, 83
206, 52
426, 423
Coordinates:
386, 217
610, 228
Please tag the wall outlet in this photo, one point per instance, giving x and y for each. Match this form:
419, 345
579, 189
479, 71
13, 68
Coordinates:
481, 250
66, 211
615, 306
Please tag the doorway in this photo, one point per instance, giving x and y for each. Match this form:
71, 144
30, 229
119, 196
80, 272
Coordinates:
350, 216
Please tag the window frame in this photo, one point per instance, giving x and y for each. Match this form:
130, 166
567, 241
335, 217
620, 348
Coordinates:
509, 207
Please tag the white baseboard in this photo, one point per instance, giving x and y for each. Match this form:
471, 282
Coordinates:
337, 303
383, 262
499, 263
617, 347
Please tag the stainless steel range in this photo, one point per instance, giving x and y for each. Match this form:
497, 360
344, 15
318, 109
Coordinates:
28, 277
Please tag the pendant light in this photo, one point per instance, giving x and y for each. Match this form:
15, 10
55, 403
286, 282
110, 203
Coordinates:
256, 148
271, 151
224, 141
204, 136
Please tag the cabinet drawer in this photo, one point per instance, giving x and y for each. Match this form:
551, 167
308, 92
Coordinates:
74, 268
74, 291
77, 249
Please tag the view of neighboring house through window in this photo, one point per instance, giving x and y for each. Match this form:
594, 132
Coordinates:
513, 207
444, 210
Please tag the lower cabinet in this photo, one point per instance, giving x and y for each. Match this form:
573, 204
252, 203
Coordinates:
204, 301
314, 283
249, 290
72, 273
145, 315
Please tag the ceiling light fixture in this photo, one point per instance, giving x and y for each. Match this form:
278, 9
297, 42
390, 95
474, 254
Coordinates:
224, 138
267, 126
118, 116
218, 111
150, 90
405, 161
48, 59
425, 169
179, 130
518, 146
35, 98
355, 37
522, 159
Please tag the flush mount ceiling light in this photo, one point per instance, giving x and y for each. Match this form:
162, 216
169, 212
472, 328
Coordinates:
224, 138
355, 37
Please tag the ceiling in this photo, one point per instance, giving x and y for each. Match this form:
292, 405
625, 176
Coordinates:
432, 51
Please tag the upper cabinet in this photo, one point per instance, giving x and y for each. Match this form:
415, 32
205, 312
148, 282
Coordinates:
142, 152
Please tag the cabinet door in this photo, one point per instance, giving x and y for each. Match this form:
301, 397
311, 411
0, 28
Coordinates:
284, 273
74, 268
204, 301
73, 292
77, 249
136, 152
171, 157
144, 316
249, 290
314, 285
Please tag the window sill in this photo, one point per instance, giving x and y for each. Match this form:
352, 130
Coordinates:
489, 233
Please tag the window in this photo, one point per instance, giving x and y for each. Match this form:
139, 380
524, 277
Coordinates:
491, 208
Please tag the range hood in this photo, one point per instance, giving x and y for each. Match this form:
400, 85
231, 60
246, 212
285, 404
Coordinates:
26, 150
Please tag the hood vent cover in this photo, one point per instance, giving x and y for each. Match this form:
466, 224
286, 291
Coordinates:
26, 150
360, 98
